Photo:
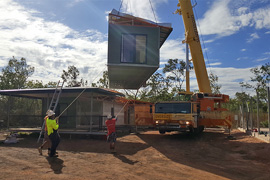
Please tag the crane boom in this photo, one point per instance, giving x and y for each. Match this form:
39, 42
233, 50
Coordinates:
193, 40
204, 109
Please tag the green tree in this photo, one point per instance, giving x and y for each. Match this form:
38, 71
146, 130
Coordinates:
159, 88
175, 73
242, 96
213, 83
71, 76
50, 84
34, 84
15, 74
102, 82
156, 89
260, 80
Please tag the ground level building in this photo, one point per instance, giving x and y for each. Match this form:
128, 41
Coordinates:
25, 108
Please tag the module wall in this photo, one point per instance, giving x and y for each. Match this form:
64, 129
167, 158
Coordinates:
115, 42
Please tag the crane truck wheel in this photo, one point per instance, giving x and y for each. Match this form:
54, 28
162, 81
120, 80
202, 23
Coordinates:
201, 128
162, 132
196, 131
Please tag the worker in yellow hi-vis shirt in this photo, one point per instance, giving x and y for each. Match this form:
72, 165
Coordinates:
52, 128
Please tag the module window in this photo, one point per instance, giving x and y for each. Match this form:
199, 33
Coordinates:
133, 49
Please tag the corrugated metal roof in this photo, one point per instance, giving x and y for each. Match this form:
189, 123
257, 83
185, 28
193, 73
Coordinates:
116, 17
70, 91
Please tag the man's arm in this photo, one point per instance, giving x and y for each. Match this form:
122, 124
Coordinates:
55, 125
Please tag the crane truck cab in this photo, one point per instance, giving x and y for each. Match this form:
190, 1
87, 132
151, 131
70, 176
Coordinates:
203, 110
176, 116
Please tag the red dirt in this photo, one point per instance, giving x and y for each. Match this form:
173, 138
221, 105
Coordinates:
147, 155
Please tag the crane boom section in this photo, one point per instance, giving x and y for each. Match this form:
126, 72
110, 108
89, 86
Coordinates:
192, 38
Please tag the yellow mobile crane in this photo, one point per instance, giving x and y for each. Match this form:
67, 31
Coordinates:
204, 109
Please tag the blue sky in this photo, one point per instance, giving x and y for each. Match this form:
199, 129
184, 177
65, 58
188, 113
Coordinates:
54, 34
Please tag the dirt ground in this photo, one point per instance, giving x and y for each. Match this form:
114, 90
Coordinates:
147, 155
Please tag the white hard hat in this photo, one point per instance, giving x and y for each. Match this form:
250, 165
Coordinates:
50, 113
109, 116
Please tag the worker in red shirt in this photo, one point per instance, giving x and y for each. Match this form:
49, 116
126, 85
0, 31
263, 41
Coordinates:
111, 134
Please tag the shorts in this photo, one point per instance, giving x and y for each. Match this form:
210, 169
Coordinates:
111, 138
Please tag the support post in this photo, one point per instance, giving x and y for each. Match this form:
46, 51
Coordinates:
268, 96
258, 121
251, 114
247, 116
241, 117
91, 118
187, 69
8, 115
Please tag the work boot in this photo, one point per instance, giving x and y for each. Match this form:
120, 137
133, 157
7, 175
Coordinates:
40, 151
113, 150
54, 155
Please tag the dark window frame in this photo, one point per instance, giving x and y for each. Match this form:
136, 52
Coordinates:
133, 49
175, 108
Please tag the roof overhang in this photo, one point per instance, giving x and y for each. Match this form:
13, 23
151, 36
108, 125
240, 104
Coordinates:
41, 93
116, 17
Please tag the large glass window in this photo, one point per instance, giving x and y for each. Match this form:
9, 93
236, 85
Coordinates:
133, 49
184, 108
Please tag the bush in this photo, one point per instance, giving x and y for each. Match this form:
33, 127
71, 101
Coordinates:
264, 124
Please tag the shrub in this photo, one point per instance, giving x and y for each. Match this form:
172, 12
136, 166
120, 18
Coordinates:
264, 124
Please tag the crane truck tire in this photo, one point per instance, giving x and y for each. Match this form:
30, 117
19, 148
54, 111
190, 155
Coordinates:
196, 131
162, 131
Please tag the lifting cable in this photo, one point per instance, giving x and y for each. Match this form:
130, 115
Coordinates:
153, 11
131, 9
127, 3
120, 7
195, 2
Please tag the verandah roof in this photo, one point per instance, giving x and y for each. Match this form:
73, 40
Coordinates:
40, 93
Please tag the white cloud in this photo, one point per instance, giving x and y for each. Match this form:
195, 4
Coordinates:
262, 59
222, 20
49, 46
71, 3
253, 36
243, 50
268, 32
229, 79
261, 18
218, 20
215, 64
172, 49
142, 8
242, 58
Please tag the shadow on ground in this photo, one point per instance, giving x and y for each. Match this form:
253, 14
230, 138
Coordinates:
56, 164
213, 152
95, 144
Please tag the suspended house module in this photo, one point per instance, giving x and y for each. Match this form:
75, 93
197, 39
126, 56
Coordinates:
133, 49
